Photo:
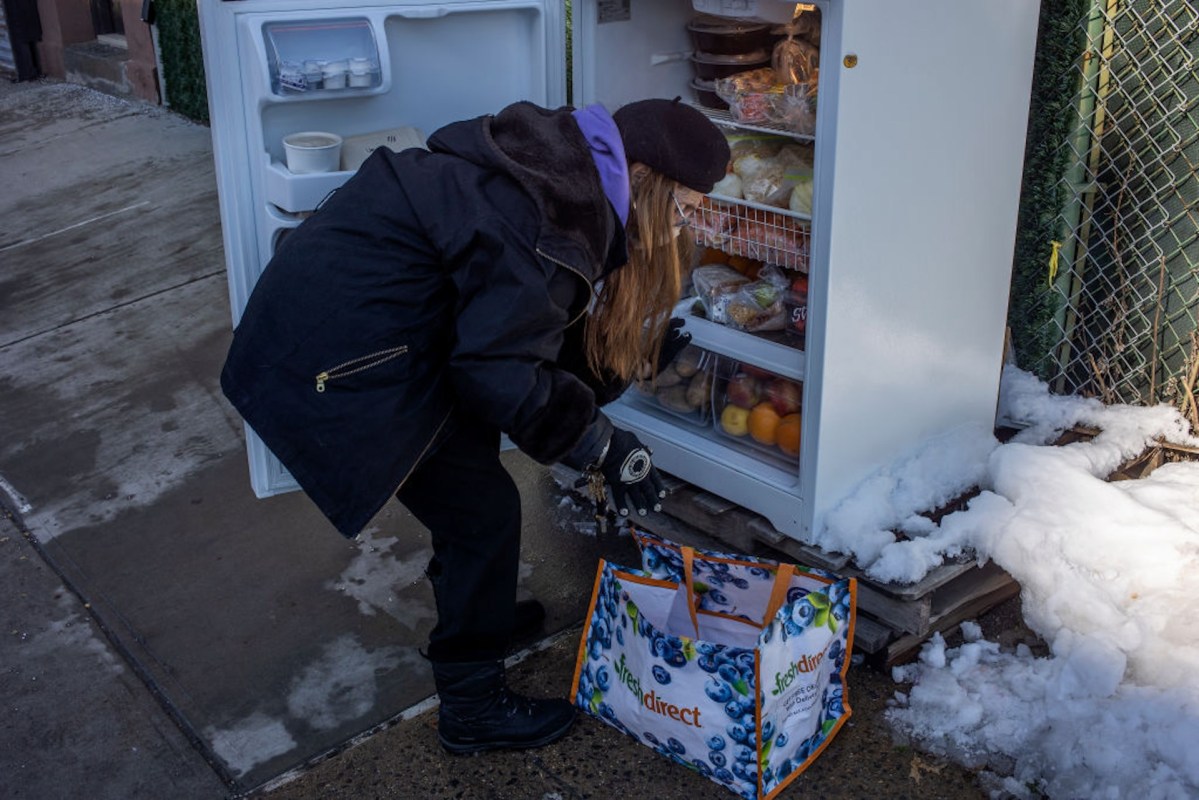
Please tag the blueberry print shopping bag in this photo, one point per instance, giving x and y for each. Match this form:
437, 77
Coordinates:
729, 665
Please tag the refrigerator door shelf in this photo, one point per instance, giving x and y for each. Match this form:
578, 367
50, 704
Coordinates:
326, 56
295, 193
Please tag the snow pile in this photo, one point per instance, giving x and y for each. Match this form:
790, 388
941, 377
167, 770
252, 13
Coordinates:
891, 500
1110, 581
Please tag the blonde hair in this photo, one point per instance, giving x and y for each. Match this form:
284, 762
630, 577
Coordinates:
625, 330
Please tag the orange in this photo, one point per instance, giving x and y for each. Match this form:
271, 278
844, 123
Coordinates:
787, 434
763, 423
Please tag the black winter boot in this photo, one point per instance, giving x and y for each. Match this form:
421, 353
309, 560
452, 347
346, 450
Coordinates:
528, 619
479, 712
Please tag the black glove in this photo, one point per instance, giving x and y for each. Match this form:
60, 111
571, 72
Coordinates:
630, 475
673, 343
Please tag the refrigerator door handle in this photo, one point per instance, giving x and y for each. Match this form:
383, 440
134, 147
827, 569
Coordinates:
420, 12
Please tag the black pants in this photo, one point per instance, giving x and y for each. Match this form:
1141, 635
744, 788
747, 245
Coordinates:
471, 506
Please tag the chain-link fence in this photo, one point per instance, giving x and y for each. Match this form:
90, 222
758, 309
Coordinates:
1122, 277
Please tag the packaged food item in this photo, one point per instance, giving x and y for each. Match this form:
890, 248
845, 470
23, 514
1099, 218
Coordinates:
795, 61
781, 240
796, 108
758, 96
712, 225
744, 143
795, 304
714, 287
729, 186
751, 95
758, 305
801, 195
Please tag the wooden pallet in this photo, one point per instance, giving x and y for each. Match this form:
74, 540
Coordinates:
893, 619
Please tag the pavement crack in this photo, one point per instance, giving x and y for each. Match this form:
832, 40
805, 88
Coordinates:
165, 290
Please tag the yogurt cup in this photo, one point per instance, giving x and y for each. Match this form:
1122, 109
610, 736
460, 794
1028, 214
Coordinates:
361, 71
314, 74
312, 151
334, 74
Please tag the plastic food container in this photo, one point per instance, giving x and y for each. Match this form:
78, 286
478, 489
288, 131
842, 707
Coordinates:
314, 74
335, 73
361, 72
768, 10
711, 66
705, 93
728, 36
760, 411
291, 78
795, 304
683, 388
312, 151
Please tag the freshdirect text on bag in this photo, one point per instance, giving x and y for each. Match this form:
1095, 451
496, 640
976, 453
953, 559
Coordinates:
651, 701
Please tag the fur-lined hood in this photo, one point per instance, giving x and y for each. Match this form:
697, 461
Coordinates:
545, 152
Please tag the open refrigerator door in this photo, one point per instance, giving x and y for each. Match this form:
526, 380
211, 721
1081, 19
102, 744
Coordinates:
291, 80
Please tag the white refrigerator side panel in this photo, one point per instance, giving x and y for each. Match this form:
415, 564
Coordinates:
925, 172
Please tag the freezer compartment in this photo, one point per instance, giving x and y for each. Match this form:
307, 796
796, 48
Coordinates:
321, 56
758, 410
682, 390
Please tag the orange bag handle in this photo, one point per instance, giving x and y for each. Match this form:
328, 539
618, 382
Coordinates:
778, 593
689, 580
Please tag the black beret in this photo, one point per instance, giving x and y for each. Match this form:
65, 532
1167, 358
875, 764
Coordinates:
674, 139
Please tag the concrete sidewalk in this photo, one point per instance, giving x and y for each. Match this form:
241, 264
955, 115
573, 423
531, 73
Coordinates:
166, 634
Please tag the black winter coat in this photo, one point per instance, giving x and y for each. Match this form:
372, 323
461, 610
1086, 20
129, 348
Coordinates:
433, 284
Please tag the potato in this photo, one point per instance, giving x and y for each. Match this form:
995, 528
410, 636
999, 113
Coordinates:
675, 398
699, 390
687, 364
668, 377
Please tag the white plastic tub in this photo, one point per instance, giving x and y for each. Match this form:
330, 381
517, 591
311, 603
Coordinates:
312, 151
765, 10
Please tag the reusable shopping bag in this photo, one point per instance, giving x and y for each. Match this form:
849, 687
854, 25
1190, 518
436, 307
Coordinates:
730, 665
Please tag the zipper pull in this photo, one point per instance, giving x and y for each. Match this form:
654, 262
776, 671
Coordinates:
320, 381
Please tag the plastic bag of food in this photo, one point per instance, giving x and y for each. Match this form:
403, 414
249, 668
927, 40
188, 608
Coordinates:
712, 225
806, 26
751, 95
744, 143
801, 194
775, 187
795, 61
796, 108
714, 285
758, 306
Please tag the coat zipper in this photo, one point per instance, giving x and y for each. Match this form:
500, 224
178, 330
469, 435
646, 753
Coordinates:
356, 365
564, 265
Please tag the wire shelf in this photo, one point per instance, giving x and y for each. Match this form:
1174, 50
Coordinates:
775, 237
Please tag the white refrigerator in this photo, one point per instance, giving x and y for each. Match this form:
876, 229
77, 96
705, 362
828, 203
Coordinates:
917, 157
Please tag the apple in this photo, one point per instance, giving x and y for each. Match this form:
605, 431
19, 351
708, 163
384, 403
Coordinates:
735, 420
784, 395
744, 390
